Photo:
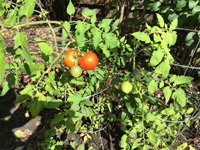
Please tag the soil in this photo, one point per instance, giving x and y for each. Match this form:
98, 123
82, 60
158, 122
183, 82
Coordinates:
14, 117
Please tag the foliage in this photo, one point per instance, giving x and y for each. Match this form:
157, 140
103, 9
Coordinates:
156, 94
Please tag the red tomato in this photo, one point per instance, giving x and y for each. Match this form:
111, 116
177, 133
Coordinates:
89, 61
69, 60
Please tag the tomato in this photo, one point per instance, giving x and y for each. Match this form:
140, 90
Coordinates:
70, 60
89, 61
76, 71
126, 87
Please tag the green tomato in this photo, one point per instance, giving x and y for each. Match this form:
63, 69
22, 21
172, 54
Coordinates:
76, 71
126, 87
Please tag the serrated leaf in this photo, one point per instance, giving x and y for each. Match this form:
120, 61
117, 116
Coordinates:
35, 106
11, 18
152, 86
180, 4
111, 40
192, 3
156, 57
180, 97
105, 24
67, 25
105, 50
31, 69
54, 103
142, 37
96, 37
182, 79
124, 142
163, 68
160, 20
70, 8
167, 93
150, 117
29, 7
57, 118
195, 10
75, 99
168, 111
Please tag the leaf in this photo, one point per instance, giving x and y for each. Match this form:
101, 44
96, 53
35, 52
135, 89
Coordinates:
105, 50
168, 111
96, 37
155, 6
173, 24
156, 58
44, 46
142, 36
23, 43
19, 134
192, 3
29, 7
163, 68
105, 24
182, 146
35, 106
181, 79
160, 20
150, 117
152, 137
124, 142
137, 142
31, 69
152, 86
67, 25
70, 8
2, 59
195, 10
180, 97
57, 118
70, 125
1, 8
54, 103
81, 147
180, 4
167, 93
11, 18
75, 99
111, 40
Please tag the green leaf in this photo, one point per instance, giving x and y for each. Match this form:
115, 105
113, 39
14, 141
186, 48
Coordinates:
105, 50
167, 93
156, 58
190, 110
2, 59
67, 25
111, 40
152, 86
182, 146
70, 125
32, 69
70, 8
180, 97
137, 142
81, 147
19, 134
163, 68
160, 20
11, 18
1, 8
22, 98
173, 24
152, 137
57, 118
192, 3
29, 7
23, 43
105, 24
35, 106
155, 6
54, 103
195, 10
168, 111
180, 4
142, 37
44, 46
96, 37
181, 79
124, 142
150, 117
75, 99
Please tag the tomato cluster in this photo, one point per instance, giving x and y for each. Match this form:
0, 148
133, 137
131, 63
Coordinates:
88, 62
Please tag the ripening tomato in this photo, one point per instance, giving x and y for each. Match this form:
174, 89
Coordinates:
70, 60
76, 71
126, 87
89, 61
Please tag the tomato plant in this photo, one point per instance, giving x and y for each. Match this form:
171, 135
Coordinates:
76, 71
89, 61
70, 60
126, 87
